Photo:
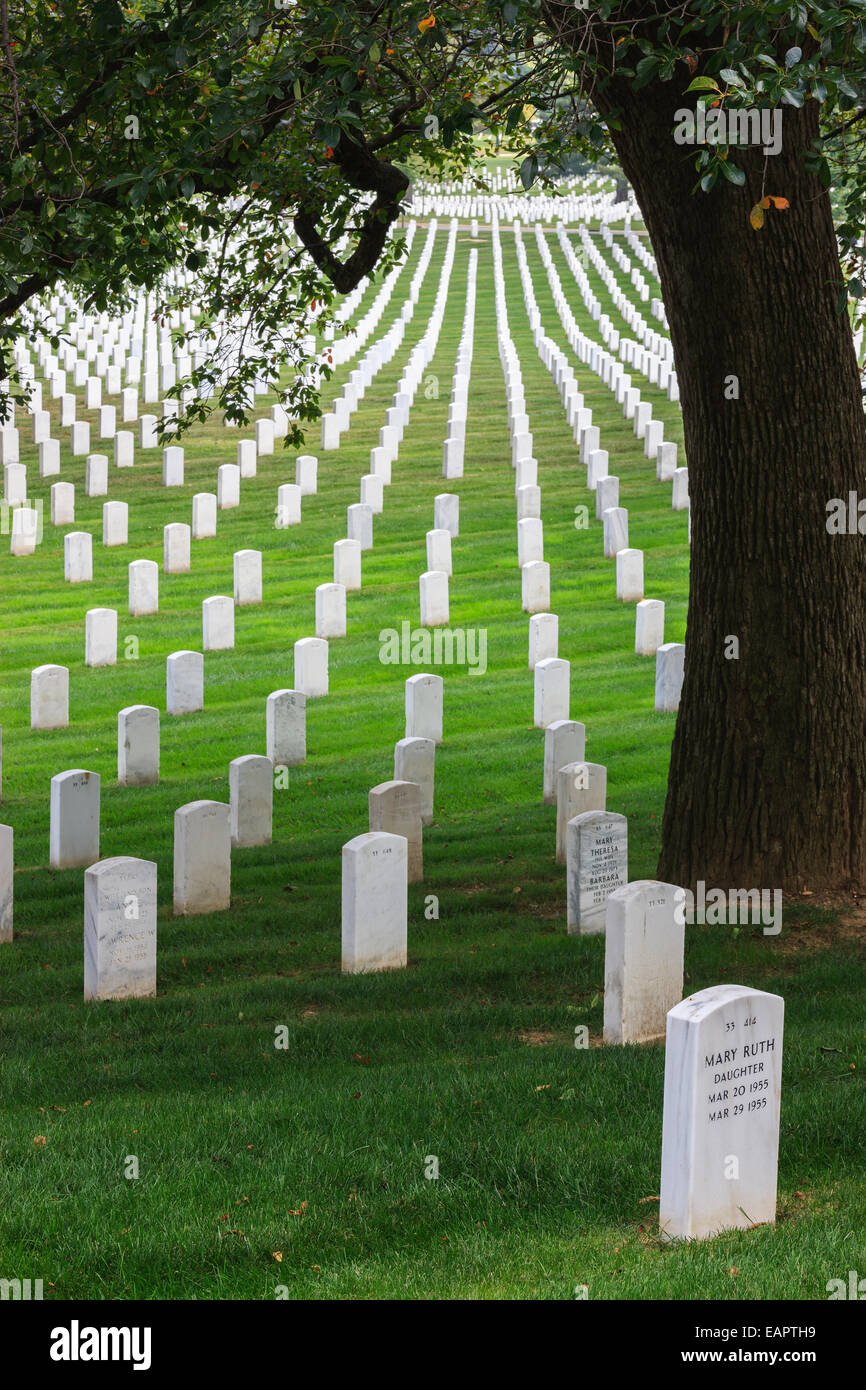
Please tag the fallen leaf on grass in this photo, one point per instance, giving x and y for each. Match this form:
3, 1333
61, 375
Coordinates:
641, 1200
299, 1211
278, 1255
40, 1141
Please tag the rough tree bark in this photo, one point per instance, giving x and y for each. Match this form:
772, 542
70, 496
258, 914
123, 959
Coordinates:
767, 784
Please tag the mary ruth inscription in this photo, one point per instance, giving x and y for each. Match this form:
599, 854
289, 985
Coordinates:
723, 1085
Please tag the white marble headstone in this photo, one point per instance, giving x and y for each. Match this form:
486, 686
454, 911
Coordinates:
643, 959
597, 860
374, 908
720, 1135
120, 929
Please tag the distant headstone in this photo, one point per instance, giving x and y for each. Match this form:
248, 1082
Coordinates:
446, 512
96, 475
228, 486
247, 577
424, 700
306, 474
143, 588
62, 504
439, 550
202, 858
184, 682
606, 495
643, 960
597, 860
77, 557
629, 575
218, 623
649, 626
7, 879
615, 521
543, 638
176, 548
74, 819
347, 565
415, 761
680, 490
286, 728
288, 506
670, 668
120, 929
49, 697
311, 667
115, 522
720, 1135
535, 586
564, 742
247, 457
359, 524
251, 799
330, 611
552, 691
204, 516
374, 903
396, 808
579, 787
433, 595
100, 637
138, 746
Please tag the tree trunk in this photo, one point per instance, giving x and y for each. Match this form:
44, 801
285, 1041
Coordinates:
767, 784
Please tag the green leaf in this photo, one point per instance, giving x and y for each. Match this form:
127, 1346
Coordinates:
528, 171
703, 84
732, 173
709, 180
646, 69
793, 56
732, 78
374, 52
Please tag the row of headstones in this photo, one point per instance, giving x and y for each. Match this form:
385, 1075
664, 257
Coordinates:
74, 833
535, 573
654, 361
202, 867
205, 505
341, 350
723, 1058
579, 416
659, 349
336, 421
433, 583
649, 620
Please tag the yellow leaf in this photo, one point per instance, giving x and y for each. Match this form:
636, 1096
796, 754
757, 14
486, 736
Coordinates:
756, 217
278, 1256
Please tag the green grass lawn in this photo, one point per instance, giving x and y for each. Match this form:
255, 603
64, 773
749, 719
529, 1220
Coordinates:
303, 1168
